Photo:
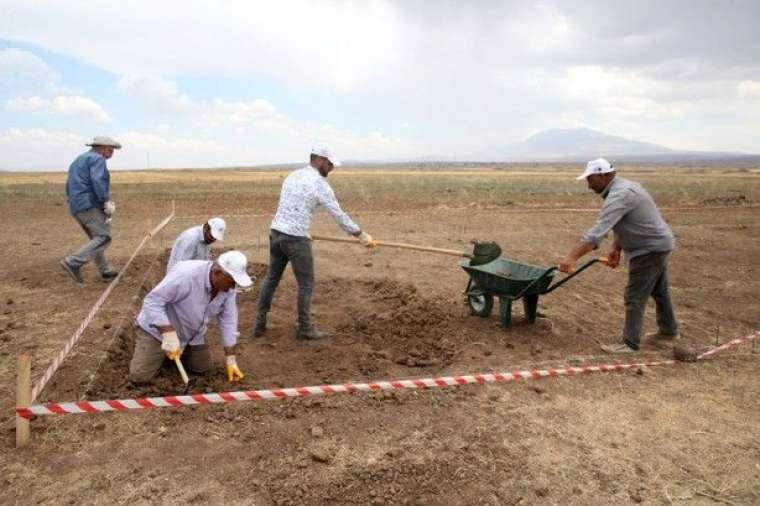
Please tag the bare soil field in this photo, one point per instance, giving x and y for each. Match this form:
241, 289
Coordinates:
683, 434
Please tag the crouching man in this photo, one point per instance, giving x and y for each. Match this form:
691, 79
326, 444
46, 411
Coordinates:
175, 314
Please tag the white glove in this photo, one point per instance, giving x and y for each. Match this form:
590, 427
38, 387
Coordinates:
367, 240
109, 207
170, 344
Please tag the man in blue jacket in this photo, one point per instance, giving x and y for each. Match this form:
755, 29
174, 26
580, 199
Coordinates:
89, 195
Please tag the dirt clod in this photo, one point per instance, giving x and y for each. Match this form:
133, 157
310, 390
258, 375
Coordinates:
320, 455
684, 353
395, 453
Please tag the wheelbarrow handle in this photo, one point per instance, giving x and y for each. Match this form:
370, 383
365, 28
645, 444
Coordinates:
575, 273
522, 292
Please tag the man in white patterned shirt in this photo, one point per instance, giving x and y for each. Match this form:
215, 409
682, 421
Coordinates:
289, 241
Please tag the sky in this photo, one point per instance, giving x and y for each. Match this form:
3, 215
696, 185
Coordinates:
230, 83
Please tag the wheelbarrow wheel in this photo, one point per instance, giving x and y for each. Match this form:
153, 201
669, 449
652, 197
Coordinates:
481, 304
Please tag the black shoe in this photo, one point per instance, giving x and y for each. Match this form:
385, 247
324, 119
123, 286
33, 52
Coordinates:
259, 329
72, 271
310, 333
109, 275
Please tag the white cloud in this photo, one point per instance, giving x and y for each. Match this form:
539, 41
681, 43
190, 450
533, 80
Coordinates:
42, 149
148, 141
19, 67
71, 106
38, 149
749, 89
39, 137
162, 96
155, 93
336, 46
458, 77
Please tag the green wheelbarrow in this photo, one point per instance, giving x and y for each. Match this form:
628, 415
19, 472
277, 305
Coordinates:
511, 281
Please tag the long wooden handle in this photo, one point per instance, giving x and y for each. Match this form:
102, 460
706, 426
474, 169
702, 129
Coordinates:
181, 370
400, 245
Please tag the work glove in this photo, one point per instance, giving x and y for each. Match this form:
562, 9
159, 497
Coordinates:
367, 240
109, 208
233, 371
170, 345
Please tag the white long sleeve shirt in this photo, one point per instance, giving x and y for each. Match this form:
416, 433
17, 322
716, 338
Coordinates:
303, 191
190, 245
183, 300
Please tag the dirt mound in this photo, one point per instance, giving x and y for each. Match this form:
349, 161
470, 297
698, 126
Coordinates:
407, 328
378, 329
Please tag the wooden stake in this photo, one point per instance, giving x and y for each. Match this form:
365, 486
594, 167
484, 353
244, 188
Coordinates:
23, 398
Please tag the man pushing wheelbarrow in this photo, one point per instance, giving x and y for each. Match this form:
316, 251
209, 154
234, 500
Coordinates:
641, 233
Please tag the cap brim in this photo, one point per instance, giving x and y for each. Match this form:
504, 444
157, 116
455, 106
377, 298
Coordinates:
219, 236
242, 280
335, 162
583, 176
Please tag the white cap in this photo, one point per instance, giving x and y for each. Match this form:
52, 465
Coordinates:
103, 140
234, 264
323, 150
217, 227
598, 166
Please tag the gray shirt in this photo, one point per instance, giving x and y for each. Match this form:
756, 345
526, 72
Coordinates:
183, 300
631, 213
190, 245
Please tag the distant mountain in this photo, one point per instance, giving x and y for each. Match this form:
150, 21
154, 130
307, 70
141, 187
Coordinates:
581, 144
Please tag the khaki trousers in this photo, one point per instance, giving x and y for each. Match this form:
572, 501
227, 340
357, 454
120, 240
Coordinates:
149, 357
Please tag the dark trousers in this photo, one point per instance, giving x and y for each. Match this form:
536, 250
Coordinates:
648, 275
284, 248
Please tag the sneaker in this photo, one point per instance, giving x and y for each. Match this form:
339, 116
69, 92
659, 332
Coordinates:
72, 271
310, 334
109, 275
617, 348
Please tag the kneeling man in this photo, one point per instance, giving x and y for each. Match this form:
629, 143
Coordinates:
175, 315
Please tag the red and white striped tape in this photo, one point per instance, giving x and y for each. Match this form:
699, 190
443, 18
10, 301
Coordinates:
733, 342
58, 360
281, 393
